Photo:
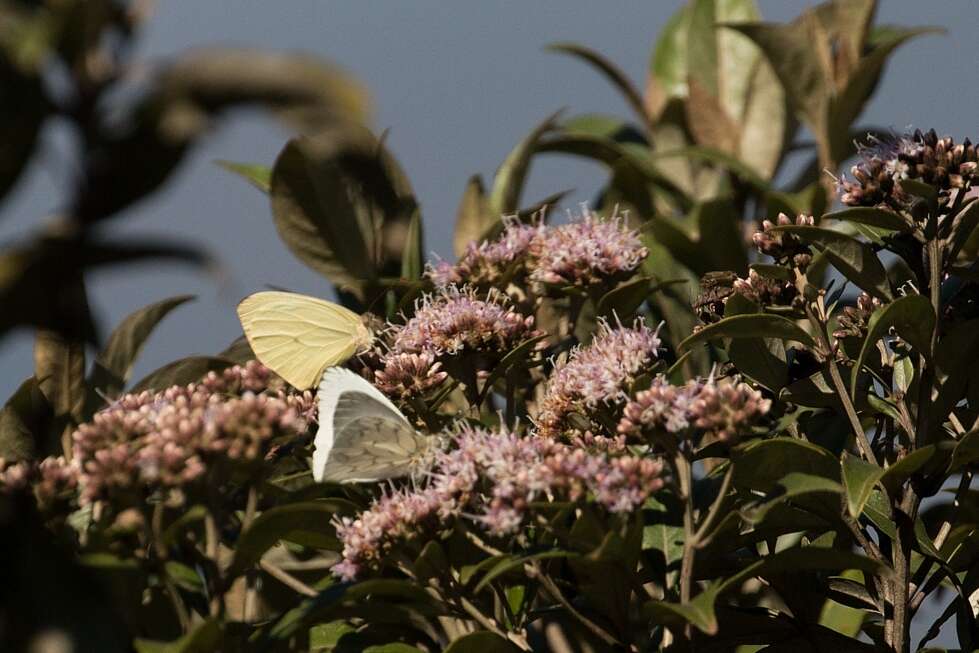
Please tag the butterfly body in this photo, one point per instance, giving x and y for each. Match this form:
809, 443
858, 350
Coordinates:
362, 436
298, 337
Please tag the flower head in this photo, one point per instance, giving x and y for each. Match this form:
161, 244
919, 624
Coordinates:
595, 375
490, 261
921, 156
724, 409
782, 246
492, 478
585, 252
454, 320
405, 375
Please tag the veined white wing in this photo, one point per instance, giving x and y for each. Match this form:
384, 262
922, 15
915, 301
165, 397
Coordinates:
362, 436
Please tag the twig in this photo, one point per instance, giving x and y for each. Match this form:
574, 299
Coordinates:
715, 509
287, 579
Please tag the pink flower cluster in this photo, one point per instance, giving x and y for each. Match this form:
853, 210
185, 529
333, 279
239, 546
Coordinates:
404, 375
50, 478
166, 439
489, 261
586, 251
782, 246
492, 477
454, 320
725, 409
595, 375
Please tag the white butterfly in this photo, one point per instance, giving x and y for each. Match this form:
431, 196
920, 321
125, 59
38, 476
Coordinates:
362, 436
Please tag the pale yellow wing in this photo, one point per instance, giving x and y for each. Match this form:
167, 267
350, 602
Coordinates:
297, 336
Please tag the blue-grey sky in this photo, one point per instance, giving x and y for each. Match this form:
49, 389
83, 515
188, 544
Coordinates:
457, 83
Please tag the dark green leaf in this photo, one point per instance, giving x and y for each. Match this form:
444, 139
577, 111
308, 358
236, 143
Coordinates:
859, 478
204, 638
966, 451
484, 642
508, 184
22, 420
791, 486
912, 317
761, 464
749, 326
854, 259
871, 216
114, 364
181, 372
762, 360
307, 523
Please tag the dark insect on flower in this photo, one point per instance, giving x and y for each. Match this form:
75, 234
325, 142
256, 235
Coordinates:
715, 288
766, 291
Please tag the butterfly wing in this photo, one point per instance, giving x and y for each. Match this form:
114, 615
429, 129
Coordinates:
362, 436
297, 336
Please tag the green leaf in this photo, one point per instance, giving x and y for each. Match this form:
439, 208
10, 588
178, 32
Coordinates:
257, 175
762, 360
791, 486
484, 642
508, 184
611, 72
760, 465
181, 372
306, 523
204, 638
854, 259
473, 217
114, 364
903, 469
912, 317
963, 226
859, 478
59, 367
509, 563
871, 216
625, 299
720, 158
749, 326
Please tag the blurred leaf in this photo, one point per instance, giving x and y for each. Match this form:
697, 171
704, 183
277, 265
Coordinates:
668, 64
307, 523
180, 372
413, 258
127, 163
854, 259
257, 175
789, 49
204, 638
912, 317
767, 123
611, 72
114, 364
845, 107
859, 478
749, 326
23, 418
22, 113
719, 234
719, 158
59, 367
484, 642
964, 226
473, 217
238, 352
508, 184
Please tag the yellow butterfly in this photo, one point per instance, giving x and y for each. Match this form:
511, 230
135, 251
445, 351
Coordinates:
298, 337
